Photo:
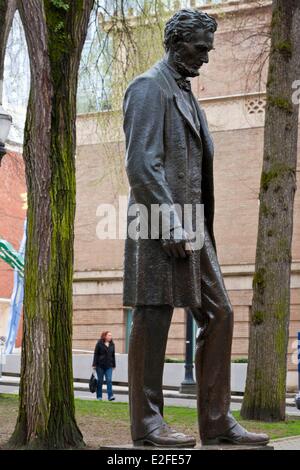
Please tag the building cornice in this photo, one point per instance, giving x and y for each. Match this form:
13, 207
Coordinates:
246, 269
238, 96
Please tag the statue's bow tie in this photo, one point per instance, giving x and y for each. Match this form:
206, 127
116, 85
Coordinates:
184, 83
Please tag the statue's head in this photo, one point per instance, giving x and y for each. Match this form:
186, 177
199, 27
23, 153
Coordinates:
189, 37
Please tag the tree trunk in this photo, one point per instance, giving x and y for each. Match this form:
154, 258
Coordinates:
55, 33
269, 329
7, 12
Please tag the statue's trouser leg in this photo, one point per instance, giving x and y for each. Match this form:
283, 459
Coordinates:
213, 347
146, 357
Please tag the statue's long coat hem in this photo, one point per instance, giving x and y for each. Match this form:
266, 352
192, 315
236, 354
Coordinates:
159, 131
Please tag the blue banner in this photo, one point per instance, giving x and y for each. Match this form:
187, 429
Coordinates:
16, 303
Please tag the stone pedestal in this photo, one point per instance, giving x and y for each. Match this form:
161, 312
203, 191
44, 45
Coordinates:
188, 388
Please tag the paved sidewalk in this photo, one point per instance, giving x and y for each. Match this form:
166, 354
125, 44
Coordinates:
291, 443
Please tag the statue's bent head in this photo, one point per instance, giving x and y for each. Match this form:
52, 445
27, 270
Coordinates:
189, 37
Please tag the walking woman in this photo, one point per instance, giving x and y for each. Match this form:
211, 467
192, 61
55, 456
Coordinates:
104, 362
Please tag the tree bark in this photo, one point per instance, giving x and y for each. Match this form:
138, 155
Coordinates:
7, 12
266, 378
55, 33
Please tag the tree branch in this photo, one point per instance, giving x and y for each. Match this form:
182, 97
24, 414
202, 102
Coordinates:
7, 12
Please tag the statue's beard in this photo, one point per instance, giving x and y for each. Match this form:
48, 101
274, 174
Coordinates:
182, 67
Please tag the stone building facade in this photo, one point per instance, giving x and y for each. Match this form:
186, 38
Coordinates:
12, 216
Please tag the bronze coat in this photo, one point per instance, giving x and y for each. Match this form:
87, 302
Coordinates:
161, 136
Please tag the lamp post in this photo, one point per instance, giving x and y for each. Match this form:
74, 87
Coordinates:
188, 385
5, 125
297, 398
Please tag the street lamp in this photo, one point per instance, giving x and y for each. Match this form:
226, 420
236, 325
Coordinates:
5, 125
188, 385
297, 398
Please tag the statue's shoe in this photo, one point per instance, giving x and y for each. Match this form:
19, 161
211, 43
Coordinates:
238, 436
164, 436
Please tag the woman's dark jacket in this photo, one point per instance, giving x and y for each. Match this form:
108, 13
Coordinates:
104, 356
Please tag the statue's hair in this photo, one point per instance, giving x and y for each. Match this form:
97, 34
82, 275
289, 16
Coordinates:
184, 23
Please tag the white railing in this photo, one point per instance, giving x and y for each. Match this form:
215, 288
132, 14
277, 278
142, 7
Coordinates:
136, 7
198, 3
82, 351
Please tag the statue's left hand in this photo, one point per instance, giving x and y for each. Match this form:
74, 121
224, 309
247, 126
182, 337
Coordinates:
178, 245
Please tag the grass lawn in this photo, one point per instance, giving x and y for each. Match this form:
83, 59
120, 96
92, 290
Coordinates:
107, 423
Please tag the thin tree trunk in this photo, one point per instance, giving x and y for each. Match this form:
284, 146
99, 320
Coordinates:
55, 34
7, 12
266, 378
